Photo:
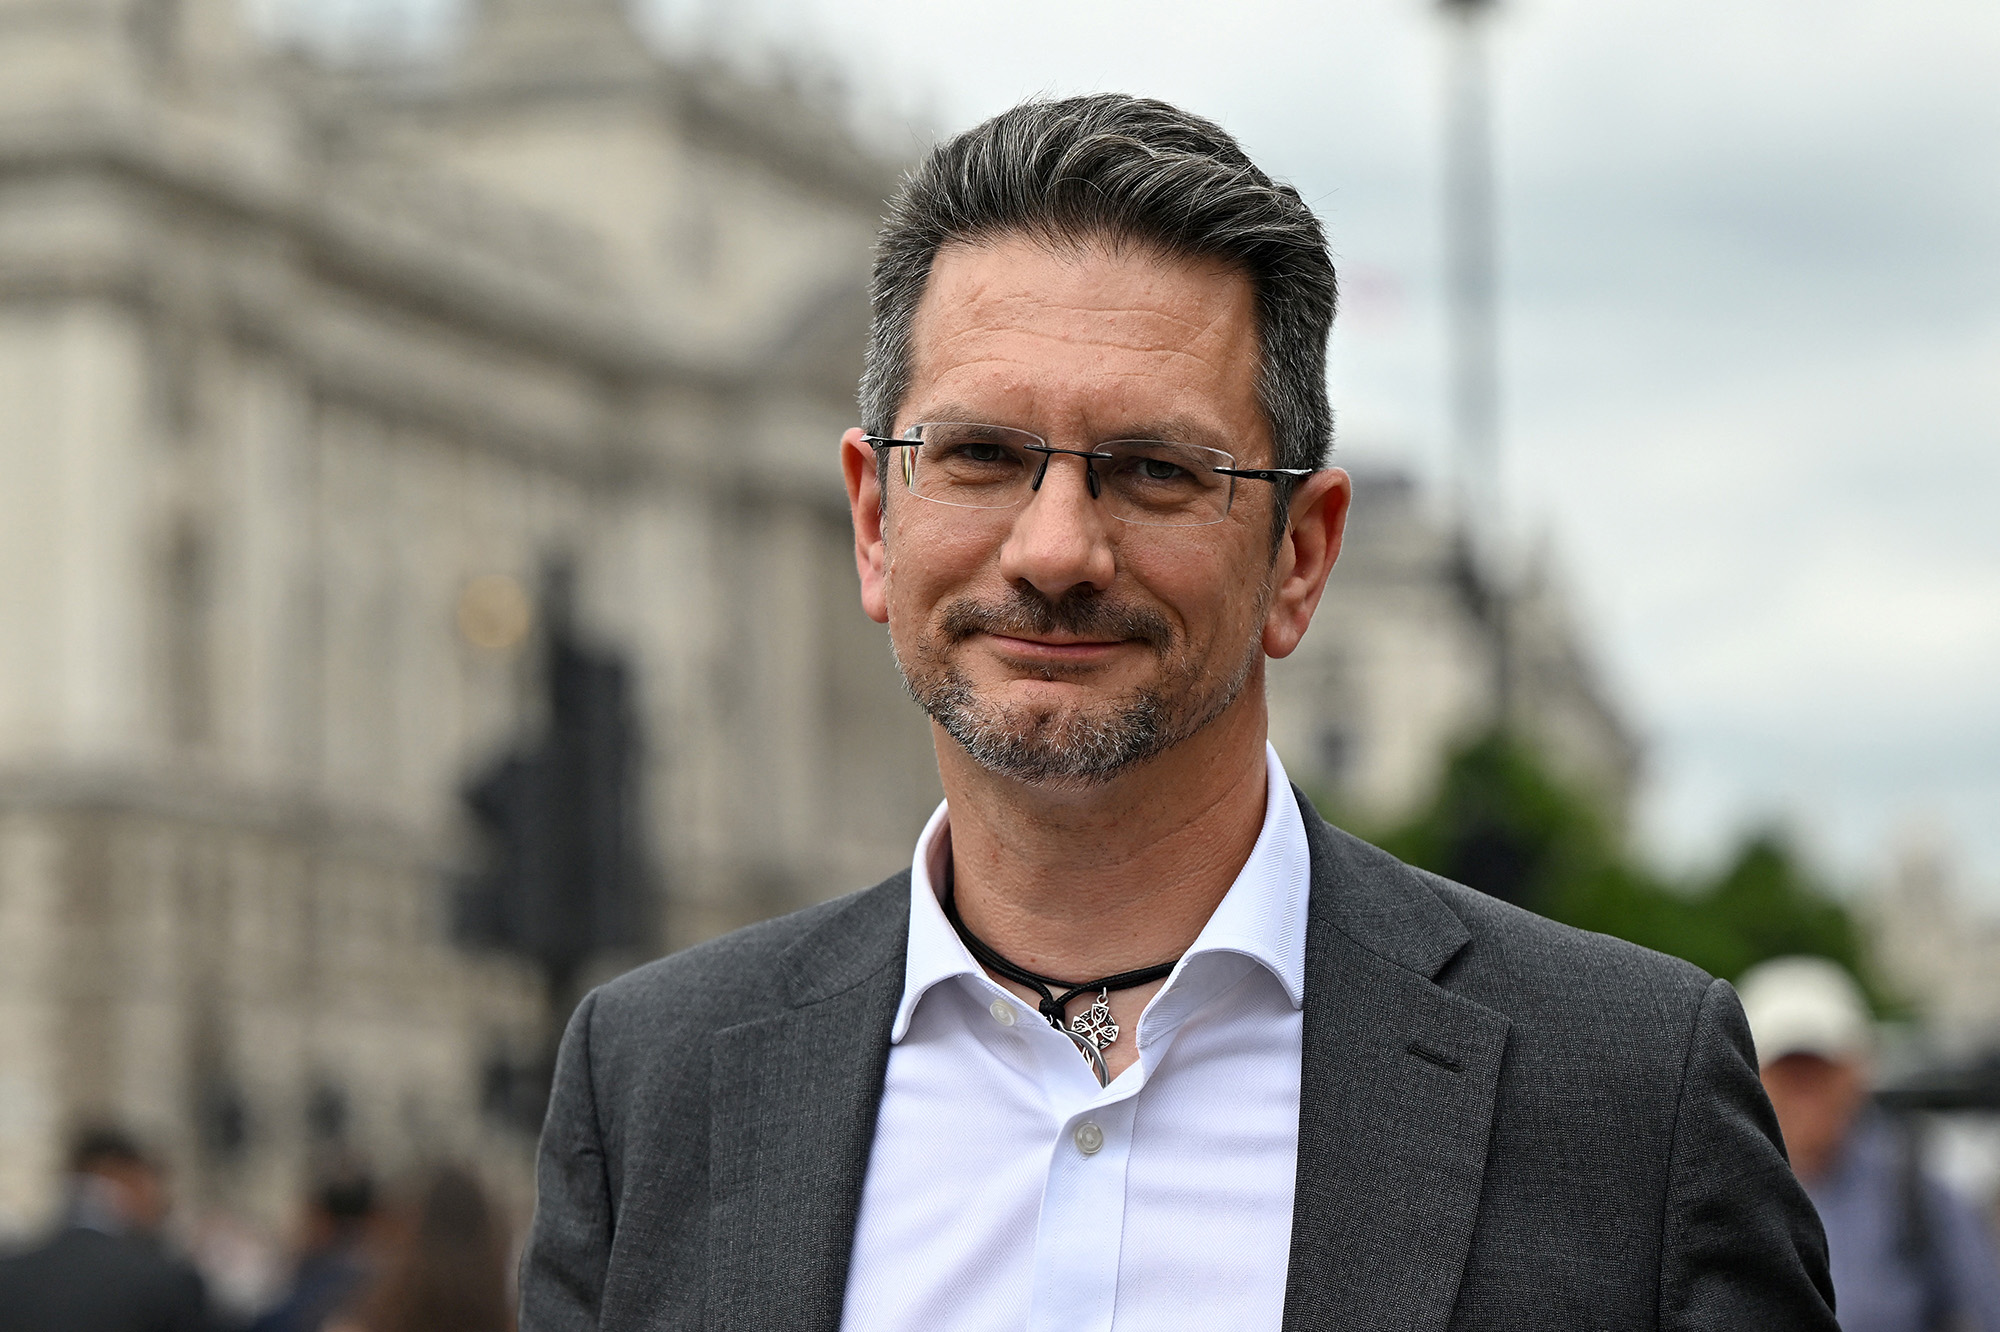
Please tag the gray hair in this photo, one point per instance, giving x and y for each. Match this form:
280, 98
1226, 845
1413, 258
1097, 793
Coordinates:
1125, 169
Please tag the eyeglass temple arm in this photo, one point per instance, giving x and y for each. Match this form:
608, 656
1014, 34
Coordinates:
1266, 473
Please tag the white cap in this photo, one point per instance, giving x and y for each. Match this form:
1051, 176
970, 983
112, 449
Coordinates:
1804, 1005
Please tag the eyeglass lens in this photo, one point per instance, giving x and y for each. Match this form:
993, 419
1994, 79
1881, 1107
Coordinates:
1150, 482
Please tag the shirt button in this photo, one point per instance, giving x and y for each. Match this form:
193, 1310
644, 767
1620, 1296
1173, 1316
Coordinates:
1089, 1138
1002, 1011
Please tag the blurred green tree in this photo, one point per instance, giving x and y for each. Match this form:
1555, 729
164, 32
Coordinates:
1502, 822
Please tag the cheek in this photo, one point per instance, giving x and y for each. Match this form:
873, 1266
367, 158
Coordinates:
928, 562
1212, 594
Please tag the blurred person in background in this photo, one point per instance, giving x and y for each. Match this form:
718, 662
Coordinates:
334, 1258
105, 1268
444, 1265
1908, 1254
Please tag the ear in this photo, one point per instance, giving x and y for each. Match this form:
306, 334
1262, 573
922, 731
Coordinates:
864, 503
1305, 558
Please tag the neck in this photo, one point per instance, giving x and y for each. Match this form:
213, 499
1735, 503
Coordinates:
1087, 881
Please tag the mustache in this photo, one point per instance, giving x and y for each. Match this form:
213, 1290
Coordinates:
1026, 612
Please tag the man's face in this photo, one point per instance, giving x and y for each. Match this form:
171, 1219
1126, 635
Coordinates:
1816, 1100
1052, 641
140, 1189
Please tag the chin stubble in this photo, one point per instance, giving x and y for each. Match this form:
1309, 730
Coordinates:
1074, 746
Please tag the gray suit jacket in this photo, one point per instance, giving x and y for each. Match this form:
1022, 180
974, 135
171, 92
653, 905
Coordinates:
1503, 1124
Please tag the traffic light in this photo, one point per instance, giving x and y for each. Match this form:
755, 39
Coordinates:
564, 874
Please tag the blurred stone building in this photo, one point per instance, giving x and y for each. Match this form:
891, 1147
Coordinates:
1937, 949
306, 378
1421, 644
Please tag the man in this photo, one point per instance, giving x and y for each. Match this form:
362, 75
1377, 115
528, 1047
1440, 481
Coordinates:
103, 1269
1139, 1041
334, 1261
1908, 1255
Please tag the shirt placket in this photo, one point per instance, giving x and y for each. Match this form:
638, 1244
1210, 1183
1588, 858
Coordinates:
1081, 1225
1080, 1229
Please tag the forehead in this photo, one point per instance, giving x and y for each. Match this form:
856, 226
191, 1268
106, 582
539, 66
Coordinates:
1085, 336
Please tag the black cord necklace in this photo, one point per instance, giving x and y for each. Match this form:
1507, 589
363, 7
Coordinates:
1092, 1030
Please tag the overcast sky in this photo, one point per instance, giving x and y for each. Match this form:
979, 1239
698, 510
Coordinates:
1751, 302
1751, 287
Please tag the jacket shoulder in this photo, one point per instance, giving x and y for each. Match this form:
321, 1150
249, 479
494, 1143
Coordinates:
1537, 947
80, 1277
757, 970
1537, 972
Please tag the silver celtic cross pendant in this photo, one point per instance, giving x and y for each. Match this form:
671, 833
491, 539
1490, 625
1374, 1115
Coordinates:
1095, 1024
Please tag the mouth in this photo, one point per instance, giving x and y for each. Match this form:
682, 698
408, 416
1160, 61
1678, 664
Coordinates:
1042, 635
1056, 649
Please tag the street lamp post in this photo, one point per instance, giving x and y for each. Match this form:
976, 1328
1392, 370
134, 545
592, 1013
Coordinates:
1471, 264
1470, 269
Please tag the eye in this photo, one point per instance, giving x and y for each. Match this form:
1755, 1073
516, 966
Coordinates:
980, 451
1156, 468
973, 459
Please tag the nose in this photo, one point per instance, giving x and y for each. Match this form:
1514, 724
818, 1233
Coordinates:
1061, 538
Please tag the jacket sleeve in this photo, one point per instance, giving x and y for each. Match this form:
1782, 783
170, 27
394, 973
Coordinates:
569, 1242
1741, 1246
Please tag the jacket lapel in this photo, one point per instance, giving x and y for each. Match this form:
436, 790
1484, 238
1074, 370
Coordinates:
1395, 1099
793, 1105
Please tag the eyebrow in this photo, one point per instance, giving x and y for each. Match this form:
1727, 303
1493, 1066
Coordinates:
1180, 430
1174, 429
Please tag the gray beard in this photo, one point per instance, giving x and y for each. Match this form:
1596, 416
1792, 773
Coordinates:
1066, 747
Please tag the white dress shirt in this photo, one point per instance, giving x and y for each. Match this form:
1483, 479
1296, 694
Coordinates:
1007, 1190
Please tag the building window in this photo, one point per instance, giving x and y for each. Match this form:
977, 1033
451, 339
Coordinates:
189, 611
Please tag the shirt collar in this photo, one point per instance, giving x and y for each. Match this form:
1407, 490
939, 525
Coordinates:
1262, 916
